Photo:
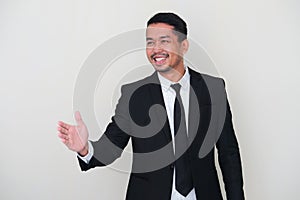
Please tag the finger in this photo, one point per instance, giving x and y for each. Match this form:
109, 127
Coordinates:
78, 117
64, 141
63, 136
62, 130
63, 125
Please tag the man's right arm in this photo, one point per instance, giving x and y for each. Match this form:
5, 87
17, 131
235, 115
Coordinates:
111, 144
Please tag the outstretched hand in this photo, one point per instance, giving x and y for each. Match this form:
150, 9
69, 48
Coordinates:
75, 137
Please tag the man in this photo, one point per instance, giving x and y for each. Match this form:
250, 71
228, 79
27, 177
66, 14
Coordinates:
173, 148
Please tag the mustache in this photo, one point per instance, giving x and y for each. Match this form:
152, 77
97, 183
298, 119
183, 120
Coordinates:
161, 54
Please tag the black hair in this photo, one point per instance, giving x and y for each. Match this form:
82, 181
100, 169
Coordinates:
171, 19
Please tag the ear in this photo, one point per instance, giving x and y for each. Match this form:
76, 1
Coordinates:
185, 46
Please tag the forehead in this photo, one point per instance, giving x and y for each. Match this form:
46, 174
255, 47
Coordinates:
158, 30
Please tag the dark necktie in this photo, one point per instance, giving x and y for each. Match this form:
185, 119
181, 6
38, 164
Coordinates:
183, 174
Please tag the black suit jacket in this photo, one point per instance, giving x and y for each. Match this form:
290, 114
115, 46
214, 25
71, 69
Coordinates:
210, 126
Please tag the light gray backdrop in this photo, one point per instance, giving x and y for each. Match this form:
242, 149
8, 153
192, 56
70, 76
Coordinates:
43, 45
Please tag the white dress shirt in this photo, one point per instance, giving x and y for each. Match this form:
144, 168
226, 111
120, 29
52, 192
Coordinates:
169, 96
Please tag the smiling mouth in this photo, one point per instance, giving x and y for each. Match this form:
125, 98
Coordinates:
160, 59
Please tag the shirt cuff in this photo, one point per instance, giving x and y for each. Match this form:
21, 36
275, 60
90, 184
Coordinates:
88, 156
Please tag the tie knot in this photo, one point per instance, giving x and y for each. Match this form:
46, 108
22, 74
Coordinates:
176, 87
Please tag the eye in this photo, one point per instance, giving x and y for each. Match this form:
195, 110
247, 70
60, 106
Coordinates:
150, 43
165, 42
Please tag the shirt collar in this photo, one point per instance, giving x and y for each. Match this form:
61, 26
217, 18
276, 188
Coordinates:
166, 83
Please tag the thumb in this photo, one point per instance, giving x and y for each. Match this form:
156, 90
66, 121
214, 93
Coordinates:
78, 117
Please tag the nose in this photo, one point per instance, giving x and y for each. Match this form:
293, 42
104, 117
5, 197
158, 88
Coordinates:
157, 47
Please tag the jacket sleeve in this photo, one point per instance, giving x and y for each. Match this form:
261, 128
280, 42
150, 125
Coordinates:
229, 159
115, 138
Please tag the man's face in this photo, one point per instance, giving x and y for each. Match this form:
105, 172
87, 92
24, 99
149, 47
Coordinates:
163, 49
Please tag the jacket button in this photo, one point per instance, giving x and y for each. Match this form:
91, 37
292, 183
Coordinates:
172, 166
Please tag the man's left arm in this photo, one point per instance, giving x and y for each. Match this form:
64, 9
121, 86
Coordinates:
230, 160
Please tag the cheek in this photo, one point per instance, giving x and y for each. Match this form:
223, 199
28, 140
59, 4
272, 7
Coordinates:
175, 57
176, 52
171, 50
149, 54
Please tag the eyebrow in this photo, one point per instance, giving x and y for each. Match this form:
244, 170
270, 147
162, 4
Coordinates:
161, 37
165, 36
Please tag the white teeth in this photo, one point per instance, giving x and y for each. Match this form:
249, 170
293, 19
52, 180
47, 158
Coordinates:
159, 59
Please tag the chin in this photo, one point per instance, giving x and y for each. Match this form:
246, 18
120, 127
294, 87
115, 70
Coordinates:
162, 68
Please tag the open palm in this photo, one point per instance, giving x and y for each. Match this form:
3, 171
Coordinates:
75, 137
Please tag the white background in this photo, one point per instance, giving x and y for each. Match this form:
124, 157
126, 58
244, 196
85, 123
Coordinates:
43, 44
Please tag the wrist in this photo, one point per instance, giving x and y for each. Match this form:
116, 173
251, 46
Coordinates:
84, 151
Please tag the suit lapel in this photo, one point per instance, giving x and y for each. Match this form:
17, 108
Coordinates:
157, 98
194, 108
197, 98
